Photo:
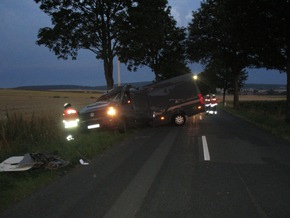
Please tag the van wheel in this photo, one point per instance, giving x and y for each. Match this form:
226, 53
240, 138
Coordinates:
179, 119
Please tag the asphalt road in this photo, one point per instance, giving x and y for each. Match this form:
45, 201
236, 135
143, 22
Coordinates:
214, 166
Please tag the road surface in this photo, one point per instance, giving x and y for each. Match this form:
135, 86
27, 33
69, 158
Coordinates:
214, 166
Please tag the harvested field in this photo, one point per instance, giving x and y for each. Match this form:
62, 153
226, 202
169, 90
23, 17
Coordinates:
255, 97
35, 103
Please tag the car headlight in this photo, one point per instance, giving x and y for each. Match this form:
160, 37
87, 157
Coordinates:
112, 111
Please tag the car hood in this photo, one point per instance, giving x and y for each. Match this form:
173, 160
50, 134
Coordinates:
95, 106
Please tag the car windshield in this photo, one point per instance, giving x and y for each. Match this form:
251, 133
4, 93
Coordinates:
111, 95
108, 97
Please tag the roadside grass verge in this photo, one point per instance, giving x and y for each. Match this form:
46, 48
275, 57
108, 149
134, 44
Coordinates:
269, 115
19, 135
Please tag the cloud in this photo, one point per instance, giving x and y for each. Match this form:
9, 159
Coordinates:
176, 15
188, 17
181, 10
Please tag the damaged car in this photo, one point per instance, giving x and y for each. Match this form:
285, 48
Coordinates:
112, 110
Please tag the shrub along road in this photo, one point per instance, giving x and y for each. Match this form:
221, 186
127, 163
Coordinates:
214, 166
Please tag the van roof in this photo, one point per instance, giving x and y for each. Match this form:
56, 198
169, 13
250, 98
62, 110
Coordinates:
172, 80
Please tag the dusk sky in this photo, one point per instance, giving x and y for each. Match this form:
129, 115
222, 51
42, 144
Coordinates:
24, 63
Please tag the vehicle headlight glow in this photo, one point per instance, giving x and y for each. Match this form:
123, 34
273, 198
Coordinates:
112, 111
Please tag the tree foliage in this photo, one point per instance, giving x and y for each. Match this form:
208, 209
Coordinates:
84, 24
150, 38
215, 37
146, 30
221, 29
268, 27
243, 33
215, 75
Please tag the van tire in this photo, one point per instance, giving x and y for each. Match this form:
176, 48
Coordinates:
179, 119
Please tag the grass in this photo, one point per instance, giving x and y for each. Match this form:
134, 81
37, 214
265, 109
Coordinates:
30, 123
20, 136
269, 114
15, 186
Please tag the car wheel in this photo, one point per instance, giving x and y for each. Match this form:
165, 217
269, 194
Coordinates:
179, 119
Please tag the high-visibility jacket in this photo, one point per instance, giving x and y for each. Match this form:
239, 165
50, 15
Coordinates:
213, 101
70, 114
207, 102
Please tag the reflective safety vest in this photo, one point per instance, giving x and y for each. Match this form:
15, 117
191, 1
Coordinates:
70, 114
70, 118
213, 102
207, 102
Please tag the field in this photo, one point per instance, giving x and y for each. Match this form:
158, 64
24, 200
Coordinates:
39, 103
230, 98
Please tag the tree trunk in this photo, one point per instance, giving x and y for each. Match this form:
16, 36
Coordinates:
224, 97
225, 89
108, 67
236, 90
288, 94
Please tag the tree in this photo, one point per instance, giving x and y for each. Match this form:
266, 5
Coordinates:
154, 40
216, 75
255, 31
214, 36
84, 24
267, 25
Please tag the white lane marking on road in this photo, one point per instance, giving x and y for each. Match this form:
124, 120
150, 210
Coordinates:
205, 149
129, 202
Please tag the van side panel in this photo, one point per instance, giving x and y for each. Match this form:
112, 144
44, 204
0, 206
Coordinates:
176, 95
172, 92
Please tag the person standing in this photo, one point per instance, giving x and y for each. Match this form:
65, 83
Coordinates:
70, 116
213, 104
207, 103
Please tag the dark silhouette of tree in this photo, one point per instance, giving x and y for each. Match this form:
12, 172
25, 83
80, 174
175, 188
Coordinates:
243, 33
267, 25
151, 38
83, 24
213, 37
215, 75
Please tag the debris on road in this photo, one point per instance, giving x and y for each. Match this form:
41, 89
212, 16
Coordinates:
82, 162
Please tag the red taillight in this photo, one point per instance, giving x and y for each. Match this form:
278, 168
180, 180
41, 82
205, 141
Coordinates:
201, 98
